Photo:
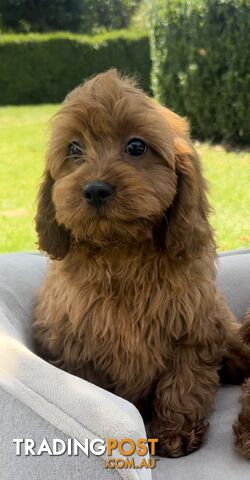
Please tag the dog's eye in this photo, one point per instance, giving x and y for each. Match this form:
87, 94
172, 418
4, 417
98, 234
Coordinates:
136, 147
75, 149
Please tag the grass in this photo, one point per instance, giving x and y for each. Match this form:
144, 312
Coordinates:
22, 146
24, 134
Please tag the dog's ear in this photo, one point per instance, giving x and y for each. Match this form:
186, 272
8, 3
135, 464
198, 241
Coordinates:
186, 228
52, 238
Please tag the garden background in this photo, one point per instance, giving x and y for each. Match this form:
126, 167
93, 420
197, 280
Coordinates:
192, 55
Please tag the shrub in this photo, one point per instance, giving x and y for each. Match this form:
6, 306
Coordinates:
37, 68
200, 53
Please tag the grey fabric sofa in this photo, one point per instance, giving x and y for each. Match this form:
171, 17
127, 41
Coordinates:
39, 401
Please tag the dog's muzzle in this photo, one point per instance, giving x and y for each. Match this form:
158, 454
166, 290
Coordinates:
97, 193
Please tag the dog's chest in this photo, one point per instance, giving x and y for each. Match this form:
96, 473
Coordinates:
119, 320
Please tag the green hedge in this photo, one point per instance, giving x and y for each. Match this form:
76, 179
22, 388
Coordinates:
200, 52
38, 68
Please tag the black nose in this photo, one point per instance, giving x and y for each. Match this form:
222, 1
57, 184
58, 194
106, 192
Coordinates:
96, 193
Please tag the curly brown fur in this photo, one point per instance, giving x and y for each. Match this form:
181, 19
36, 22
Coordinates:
130, 301
242, 426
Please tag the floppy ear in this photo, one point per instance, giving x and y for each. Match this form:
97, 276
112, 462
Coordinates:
187, 230
52, 238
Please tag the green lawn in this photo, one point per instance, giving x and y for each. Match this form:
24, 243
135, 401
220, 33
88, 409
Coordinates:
24, 134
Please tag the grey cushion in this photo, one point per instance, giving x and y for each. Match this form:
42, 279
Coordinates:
234, 280
38, 400
47, 402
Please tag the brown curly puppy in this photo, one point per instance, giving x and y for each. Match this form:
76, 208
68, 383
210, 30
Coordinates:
242, 426
130, 301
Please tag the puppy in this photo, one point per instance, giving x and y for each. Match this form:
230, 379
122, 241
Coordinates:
130, 301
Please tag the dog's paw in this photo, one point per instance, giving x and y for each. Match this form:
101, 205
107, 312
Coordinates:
242, 436
181, 444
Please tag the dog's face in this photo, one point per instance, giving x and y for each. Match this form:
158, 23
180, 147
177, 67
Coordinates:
112, 166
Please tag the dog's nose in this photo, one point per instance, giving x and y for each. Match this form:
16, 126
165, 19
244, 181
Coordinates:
96, 193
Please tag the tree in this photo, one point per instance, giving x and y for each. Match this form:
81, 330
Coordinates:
111, 14
42, 15
70, 15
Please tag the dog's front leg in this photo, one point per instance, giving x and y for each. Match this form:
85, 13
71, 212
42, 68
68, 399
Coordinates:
183, 398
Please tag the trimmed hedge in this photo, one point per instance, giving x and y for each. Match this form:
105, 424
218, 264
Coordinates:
200, 52
43, 68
